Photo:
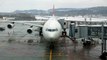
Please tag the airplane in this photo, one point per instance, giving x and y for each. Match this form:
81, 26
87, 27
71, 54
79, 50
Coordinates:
51, 29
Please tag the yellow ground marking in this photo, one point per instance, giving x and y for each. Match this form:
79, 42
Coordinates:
50, 54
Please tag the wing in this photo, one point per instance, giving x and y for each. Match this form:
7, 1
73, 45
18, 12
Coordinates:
29, 23
39, 22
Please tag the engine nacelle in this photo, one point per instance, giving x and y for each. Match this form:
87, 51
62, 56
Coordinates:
30, 30
10, 26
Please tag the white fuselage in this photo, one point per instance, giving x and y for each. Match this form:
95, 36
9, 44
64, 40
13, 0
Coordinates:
52, 29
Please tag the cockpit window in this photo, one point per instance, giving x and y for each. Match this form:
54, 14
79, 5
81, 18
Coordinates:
51, 30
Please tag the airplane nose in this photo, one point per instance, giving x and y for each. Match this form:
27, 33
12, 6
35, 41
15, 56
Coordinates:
52, 37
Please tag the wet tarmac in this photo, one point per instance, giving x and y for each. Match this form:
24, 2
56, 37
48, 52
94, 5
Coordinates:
39, 51
65, 49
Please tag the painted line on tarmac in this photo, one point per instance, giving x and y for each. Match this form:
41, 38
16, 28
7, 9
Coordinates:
50, 54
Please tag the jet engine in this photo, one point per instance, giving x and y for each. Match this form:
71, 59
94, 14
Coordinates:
30, 30
10, 26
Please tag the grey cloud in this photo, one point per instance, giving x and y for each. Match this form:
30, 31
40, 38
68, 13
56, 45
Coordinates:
11, 5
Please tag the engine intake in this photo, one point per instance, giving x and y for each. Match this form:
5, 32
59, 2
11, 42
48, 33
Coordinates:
29, 30
10, 26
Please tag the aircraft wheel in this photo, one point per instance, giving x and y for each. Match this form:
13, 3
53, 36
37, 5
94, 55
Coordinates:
64, 33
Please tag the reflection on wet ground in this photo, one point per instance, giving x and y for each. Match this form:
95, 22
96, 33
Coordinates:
39, 51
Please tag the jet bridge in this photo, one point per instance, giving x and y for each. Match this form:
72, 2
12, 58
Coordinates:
103, 52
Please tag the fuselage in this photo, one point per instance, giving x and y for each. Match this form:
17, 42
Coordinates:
52, 29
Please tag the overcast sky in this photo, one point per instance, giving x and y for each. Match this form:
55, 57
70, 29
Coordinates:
12, 5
